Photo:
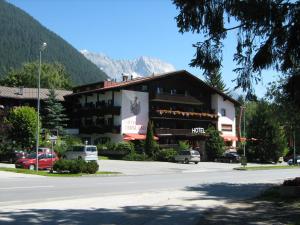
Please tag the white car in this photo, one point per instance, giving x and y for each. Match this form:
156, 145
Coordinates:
188, 156
84, 152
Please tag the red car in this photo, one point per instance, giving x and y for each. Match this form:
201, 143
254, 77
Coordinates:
46, 161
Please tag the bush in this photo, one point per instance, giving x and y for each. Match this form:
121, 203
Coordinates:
183, 145
126, 147
75, 166
166, 155
91, 167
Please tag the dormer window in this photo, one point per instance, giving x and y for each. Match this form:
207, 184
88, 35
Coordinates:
223, 112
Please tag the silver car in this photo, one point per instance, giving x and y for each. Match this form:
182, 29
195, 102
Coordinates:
84, 152
188, 156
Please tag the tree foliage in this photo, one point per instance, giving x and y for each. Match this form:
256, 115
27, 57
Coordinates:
214, 79
53, 113
151, 146
23, 123
267, 135
52, 76
20, 41
267, 34
214, 145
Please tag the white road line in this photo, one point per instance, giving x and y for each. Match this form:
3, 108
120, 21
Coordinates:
29, 187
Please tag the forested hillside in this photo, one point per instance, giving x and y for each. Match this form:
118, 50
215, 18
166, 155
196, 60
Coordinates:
20, 38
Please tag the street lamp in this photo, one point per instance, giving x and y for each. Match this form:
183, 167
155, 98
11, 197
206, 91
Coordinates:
42, 48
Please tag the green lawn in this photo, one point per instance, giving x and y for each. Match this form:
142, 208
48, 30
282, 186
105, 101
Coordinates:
103, 158
266, 167
47, 173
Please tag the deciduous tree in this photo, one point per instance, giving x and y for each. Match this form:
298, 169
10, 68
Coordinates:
23, 123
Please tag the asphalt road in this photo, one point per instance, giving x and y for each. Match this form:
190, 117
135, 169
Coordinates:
30, 189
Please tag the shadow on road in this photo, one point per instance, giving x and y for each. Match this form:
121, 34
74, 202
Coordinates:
228, 191
130, 215
235, 211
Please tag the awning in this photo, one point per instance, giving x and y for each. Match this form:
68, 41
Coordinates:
132, 137
235, 138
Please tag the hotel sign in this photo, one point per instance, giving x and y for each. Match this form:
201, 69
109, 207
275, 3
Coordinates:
134, 112
198, 130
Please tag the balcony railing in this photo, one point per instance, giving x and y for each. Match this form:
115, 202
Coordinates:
185, 115
179, 132
100, 110
99, 129
176, 98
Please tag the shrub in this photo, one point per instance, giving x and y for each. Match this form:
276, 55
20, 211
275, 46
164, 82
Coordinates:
91, 167
183, 145
75, 166
214, 145
166, 155
126, 147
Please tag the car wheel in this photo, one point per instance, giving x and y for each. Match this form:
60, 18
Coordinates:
32, 167
196, 162
186, 161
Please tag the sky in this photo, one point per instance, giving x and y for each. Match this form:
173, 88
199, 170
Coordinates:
127, 30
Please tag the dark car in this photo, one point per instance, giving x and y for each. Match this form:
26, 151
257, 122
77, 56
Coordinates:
12, 156
230, 157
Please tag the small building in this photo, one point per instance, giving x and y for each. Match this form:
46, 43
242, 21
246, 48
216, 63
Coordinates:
180, 105
19, 96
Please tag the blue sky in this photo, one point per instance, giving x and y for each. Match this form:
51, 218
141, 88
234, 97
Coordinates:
126, 30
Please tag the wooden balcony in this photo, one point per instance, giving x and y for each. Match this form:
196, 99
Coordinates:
97, 111
176, 98
99, 129
184, 115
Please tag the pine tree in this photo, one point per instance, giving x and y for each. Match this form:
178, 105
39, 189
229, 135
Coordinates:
53, 113
150, 144
214, 79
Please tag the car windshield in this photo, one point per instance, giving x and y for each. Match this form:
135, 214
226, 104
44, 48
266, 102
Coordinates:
31, 156
91, 149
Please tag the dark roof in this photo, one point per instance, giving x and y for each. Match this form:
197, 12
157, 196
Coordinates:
30, 93
140, 80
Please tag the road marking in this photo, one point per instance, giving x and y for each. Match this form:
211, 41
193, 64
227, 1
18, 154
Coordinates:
29, 187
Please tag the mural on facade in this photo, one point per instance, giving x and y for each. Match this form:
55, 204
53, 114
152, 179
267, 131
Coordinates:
135, 110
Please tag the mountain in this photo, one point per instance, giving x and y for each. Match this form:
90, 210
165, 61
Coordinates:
143, 66
21, 37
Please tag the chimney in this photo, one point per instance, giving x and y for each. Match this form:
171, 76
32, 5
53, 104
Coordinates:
124, 77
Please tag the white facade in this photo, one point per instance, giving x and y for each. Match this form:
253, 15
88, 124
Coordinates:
226, 116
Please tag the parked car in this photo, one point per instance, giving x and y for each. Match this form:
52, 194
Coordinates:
12, 156
230, 157
291, 161
84, 152
45, 161
188, 156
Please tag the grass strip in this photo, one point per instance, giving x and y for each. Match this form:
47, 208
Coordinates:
266, 167
48, 174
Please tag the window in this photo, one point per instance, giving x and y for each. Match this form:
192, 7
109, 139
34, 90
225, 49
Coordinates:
159, 90
173, 91
226, 127
223, 112
144, 88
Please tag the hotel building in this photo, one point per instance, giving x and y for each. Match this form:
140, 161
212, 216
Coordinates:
180, 105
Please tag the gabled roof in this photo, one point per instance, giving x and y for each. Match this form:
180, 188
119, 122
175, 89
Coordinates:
30, 93
141, 80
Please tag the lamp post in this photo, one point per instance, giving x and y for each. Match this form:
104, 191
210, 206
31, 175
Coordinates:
42, 48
